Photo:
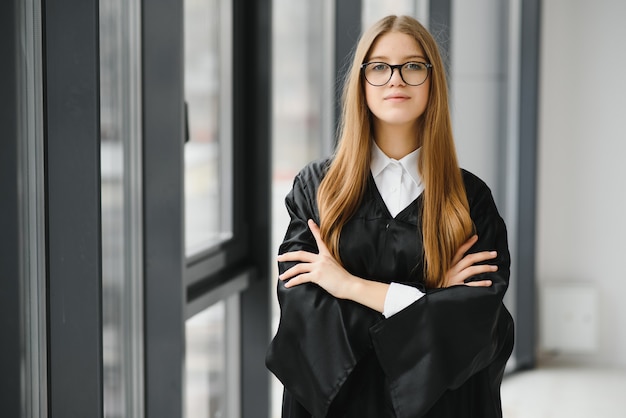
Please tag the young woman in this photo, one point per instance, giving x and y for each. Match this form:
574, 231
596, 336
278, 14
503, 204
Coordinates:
392, 306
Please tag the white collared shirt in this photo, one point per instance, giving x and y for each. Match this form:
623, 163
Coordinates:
398, 181
399, 184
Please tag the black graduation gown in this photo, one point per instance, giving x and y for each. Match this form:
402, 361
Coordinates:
443, 356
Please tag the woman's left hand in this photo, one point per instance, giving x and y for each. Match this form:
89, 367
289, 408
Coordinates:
321, 268
466, 265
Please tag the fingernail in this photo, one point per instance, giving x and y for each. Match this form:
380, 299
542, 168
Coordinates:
494, 253
494, 268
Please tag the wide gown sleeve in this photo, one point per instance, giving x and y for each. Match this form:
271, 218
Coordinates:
440, 341
320, 338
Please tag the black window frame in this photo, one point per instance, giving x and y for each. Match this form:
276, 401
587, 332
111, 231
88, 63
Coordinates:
73, 225
176, 288
10, 300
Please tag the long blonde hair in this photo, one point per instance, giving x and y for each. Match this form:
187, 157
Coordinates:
446, 222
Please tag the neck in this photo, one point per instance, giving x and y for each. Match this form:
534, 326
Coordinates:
396, 141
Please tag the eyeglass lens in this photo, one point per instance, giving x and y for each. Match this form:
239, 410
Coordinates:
379, 73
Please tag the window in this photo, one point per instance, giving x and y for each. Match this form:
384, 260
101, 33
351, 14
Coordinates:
205, 363
211, 326
208, 92
212, 365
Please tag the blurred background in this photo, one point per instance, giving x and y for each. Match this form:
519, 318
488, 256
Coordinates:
150, 146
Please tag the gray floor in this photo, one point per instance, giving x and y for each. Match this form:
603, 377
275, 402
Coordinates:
555, 391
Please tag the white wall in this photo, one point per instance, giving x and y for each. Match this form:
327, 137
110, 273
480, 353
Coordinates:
581, 235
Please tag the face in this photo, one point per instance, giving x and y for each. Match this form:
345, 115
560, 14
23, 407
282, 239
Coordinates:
396, 103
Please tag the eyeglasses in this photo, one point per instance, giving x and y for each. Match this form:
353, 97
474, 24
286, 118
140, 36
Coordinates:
412, 73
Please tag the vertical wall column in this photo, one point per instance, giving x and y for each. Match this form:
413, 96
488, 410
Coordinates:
252, 101
10, 308
526, 293
347, 33
440, 26
72, 132
163, 134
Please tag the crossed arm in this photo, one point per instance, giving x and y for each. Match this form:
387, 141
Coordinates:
324, 270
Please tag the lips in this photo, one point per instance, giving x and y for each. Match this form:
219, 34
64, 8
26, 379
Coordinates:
396, 97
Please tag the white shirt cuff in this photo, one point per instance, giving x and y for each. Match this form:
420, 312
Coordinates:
399, 296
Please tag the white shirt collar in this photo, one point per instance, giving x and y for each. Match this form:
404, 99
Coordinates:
380, 161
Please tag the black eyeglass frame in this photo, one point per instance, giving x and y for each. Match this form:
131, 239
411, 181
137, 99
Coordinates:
428, 66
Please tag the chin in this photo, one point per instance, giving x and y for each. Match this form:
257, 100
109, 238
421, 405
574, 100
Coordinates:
399, 121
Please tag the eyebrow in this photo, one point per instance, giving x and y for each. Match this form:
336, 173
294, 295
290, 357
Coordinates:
382, 58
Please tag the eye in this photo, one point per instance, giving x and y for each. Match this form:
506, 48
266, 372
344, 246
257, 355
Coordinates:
378, 66
415, 66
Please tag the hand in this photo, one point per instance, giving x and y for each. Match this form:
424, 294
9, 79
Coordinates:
464, 267
321, 268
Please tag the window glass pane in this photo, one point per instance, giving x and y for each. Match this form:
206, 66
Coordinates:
112, 187
31, 201
120, 160
372, 10
302, 109
205, 360
207, 191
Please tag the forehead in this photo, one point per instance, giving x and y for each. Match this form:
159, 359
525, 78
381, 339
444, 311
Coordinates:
395, 45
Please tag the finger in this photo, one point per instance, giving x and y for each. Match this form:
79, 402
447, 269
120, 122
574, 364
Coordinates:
301, 279
472, 271
480, 283
301, 255
315, 230
475, 258
479, 269
295, 270
464, 248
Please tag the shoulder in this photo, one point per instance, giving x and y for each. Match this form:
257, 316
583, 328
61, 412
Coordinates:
473, 183
477, 191
311, 175
302, 198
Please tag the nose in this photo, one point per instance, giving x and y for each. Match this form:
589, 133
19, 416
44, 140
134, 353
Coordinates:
396, 77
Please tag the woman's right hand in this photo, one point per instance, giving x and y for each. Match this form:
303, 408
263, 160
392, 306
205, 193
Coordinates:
464, 266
